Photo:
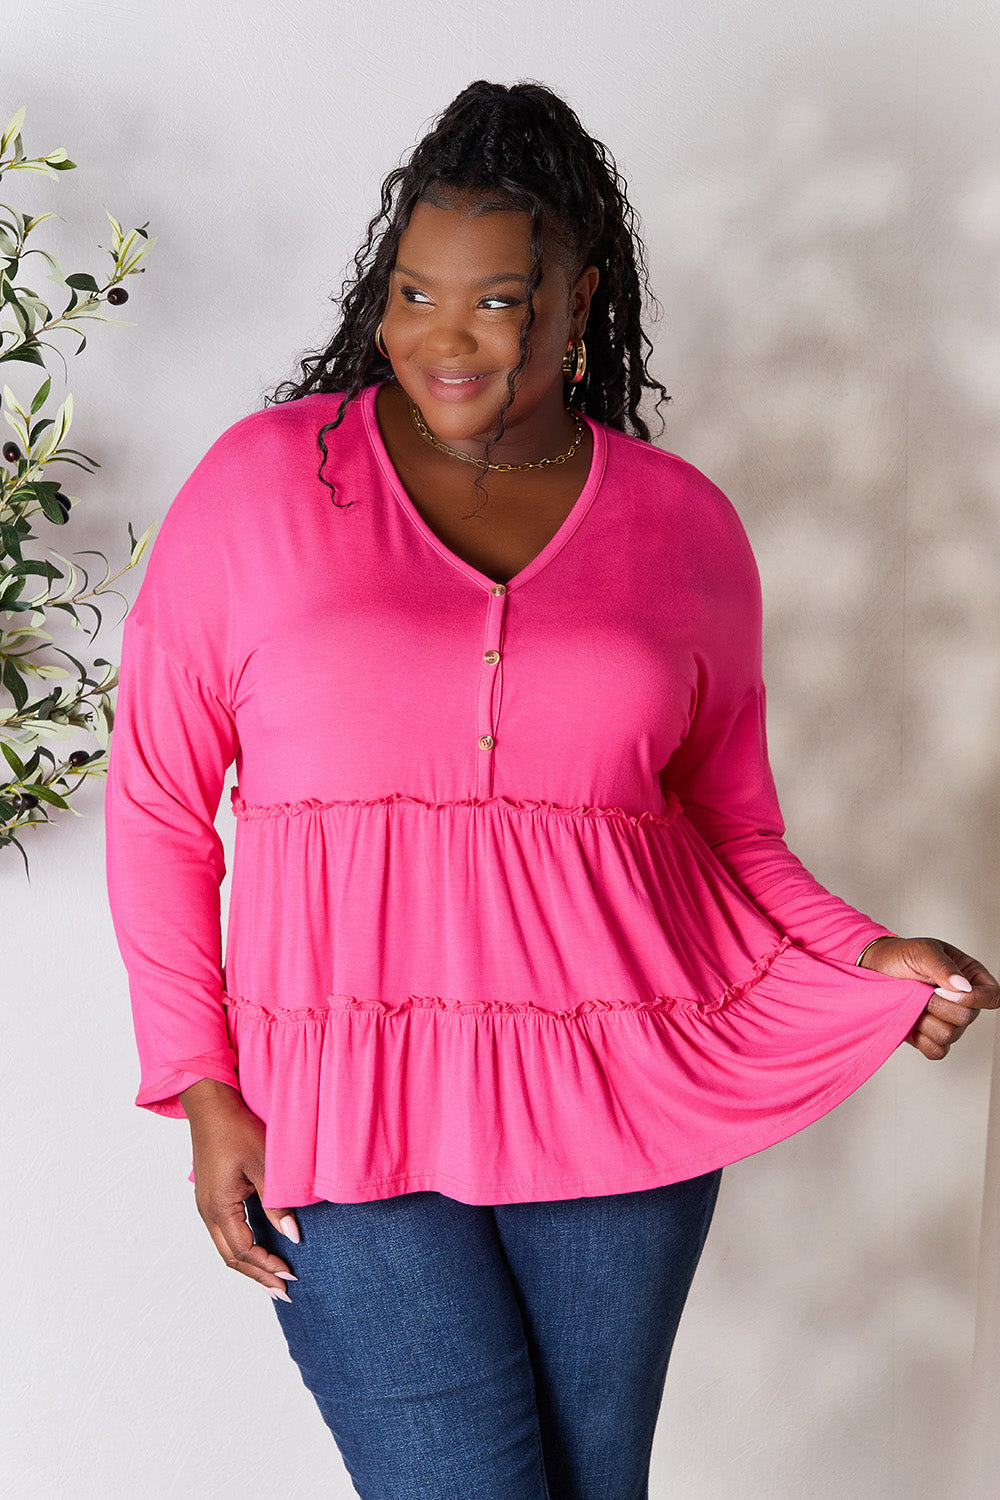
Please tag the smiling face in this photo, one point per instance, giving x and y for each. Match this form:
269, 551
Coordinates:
457, 301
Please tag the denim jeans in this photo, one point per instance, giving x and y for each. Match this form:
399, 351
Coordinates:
508, 1352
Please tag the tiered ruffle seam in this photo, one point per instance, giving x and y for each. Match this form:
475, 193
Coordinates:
489, 1007
246, 811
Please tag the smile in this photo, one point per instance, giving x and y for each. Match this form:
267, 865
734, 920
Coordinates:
453, 387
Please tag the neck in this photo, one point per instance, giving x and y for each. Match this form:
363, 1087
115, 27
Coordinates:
538, 439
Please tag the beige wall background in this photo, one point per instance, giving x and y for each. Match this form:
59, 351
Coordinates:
820, 196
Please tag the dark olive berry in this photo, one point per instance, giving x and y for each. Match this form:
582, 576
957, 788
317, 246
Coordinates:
28, 799
11, 452
117, 296
79, 758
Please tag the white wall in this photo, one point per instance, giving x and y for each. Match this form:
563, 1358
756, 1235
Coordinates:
820, 192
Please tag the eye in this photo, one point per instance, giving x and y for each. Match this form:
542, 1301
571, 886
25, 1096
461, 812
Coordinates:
498, 304
411, 294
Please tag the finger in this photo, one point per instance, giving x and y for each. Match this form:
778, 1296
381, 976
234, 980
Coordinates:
947, 1009
978, 997
224, 1250
234, 1240
284, 1222
930, 1048
985, 993
933, 1029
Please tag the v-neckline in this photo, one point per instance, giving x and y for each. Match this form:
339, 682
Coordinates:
556, 542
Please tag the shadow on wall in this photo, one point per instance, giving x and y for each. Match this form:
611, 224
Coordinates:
832, 343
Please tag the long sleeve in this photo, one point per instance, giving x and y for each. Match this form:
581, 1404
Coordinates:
722, 774
173, 740
171, 744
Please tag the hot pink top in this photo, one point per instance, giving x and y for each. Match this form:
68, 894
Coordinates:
511, 916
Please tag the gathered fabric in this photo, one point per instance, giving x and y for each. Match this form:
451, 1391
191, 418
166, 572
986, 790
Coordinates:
511, 913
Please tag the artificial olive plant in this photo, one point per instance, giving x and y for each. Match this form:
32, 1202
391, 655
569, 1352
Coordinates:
43, 704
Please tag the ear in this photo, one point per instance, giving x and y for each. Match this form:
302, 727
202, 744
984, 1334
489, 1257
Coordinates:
580, 298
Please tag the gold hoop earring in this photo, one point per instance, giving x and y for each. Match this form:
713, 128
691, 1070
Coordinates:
379, 345
574, 365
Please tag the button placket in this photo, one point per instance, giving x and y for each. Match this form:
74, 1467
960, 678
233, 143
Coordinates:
488, 700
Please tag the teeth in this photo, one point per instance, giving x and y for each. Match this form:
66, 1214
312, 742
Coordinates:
457, 380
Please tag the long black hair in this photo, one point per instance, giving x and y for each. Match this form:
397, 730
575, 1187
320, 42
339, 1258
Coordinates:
518, 147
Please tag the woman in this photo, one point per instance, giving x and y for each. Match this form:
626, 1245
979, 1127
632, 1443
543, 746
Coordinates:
517, 959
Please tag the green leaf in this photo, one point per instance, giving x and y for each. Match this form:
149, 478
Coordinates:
83, 281
41, 396
9, 399
14, 683
10, 590
64, 451
29, 225
13, 129
26, 353
46, 794
64, 166
52, 510
20, 848
10, 540
93, 310
13, 759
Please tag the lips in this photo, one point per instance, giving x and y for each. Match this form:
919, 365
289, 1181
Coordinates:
453, 377
454, 385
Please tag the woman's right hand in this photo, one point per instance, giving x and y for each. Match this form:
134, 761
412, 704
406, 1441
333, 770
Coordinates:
227, 1141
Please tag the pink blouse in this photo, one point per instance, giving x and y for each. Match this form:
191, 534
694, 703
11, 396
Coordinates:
511, 914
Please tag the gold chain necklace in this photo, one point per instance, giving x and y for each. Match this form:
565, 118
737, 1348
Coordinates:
481, 463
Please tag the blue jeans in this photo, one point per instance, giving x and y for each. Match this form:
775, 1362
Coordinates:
508, 1352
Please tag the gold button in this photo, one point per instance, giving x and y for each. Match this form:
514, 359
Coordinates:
491, 657
499, 588
486, 742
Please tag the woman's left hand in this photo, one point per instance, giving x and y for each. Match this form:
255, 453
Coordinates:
963, 987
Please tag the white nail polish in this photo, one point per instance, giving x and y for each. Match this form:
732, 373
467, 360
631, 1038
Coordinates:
286, 1275
959, 982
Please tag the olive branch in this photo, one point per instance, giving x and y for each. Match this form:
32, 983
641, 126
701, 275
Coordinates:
39, 779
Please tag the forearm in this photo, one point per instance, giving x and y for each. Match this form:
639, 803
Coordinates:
780, 885
208, 1097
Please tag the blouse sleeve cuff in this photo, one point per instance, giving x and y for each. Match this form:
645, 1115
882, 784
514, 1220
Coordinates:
873, 937
159, 1094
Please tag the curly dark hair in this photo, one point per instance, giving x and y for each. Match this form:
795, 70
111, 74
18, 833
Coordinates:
516, 147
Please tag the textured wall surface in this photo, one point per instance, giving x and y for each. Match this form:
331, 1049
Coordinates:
820, 195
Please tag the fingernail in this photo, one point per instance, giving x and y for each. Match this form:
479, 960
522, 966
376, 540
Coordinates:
945, 994
959, 982
286, 1275
289, 1228
277, 1294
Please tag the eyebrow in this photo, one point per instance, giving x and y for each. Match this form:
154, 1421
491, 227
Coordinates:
498, 276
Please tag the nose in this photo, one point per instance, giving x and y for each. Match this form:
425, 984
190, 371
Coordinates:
447, 335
